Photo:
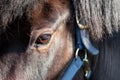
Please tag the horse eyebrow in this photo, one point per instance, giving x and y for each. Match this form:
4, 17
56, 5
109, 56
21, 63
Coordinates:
43, 18
52, 21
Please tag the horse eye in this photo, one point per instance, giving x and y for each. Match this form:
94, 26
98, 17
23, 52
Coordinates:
43, 39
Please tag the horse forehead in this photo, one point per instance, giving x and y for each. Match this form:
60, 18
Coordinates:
52, 12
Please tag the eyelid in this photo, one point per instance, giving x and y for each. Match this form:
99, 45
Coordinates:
46, 33
43, 39
38, 43
43, 31
44, 48
36, 33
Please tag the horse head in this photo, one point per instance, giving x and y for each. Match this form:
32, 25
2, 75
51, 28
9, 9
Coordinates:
38, 44
37, 37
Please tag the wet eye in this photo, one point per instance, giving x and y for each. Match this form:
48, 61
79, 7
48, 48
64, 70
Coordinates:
43, 39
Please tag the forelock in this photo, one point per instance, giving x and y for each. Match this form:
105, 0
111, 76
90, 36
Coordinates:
11, 9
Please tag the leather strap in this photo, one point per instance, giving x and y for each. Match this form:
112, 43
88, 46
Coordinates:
87, 44
82, 42
72, 69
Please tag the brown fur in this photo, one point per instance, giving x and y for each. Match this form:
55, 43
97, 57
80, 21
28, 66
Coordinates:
39, 62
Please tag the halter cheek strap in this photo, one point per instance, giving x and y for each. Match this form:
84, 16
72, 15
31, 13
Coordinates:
82, 43
72, 69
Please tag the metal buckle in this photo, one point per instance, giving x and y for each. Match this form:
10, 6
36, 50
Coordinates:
76, 53
86, 66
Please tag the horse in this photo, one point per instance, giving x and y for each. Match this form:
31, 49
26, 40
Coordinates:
37, 38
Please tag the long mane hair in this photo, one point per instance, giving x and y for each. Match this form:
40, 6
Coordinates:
102, 16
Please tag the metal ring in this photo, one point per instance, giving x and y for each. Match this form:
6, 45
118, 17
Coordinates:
76, 53
78, 23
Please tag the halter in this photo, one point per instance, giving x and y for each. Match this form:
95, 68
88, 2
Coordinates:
82, 43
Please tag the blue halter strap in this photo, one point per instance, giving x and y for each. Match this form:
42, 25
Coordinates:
82, 42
